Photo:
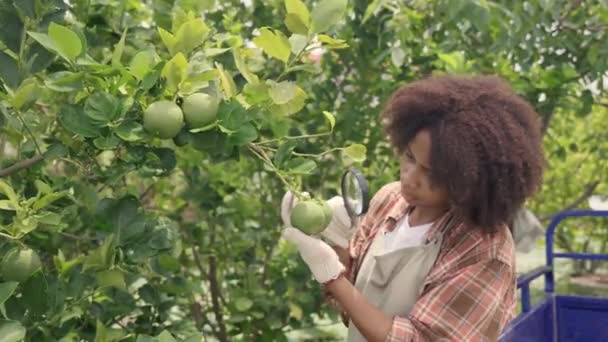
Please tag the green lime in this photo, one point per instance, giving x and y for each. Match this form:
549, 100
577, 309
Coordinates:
309, 217
200, 109
163, 119
20, 264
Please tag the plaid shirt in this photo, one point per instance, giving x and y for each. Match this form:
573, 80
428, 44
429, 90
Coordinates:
469, 293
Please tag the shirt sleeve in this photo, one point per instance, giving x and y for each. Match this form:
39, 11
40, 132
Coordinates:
465, 307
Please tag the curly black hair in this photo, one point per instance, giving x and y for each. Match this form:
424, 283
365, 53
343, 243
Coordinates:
487, 142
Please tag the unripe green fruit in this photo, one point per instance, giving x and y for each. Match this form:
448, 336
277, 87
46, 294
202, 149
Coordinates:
309, 216
19, 265
200, 109
163, 119
182, 138
328, 211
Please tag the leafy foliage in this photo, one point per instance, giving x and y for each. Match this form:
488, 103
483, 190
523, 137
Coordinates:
149, 239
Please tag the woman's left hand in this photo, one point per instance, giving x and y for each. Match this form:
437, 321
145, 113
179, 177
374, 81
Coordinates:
322, 260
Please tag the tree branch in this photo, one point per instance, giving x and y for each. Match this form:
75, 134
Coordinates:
215, 290
24, 164
588, 192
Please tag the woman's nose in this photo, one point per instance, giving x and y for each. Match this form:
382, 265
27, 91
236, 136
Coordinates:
410, 177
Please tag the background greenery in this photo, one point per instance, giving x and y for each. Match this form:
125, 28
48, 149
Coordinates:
143, 240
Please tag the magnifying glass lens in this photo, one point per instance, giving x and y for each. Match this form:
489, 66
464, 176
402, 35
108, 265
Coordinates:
354, 195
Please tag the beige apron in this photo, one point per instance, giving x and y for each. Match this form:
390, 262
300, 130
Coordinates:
392, 281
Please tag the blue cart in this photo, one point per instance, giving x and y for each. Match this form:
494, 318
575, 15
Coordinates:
559, 317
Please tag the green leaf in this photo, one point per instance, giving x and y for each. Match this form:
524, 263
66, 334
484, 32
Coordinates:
587, 103
130, 131
102, 257
200, 81
295, 24
298, 8
275, 44
49, 218
212, 52
167, 38
48, 199
226, 82
63, 265
35, 292
44, 40
11, 331
291, 107
243, 304
327, 13
300, 166
455, 9
372, 9
12, 26
64, 81
9, 70
66, 41
168, 263
190, 35
282, 92
7, 205
103, 334
42, 187
6, 290
295, 311
331, 119
8, 191
479, 15
298, 43
166, 158
141, 63
243, 68
199, 337
165, 336
118, 50
356, 152
284, 152
244, 135
55, 150
256, 94
111, 278
152, 77
102, 108
75, 121
26, 95
83, 40
175, 71
71, 313
332, 43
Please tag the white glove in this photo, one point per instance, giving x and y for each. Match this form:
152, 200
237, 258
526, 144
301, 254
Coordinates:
338, 232
321, 259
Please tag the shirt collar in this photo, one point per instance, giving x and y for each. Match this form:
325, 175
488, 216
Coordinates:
401, 208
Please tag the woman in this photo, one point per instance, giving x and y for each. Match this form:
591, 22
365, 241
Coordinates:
433, 258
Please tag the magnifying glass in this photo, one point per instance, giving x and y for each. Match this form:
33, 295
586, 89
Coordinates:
355, 193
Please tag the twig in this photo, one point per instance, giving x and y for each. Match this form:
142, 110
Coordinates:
318, 154
29, 131
259, 152
295, 137
215, 290
588, 192
24, 164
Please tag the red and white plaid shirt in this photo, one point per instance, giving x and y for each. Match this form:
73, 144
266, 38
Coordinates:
469, 293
